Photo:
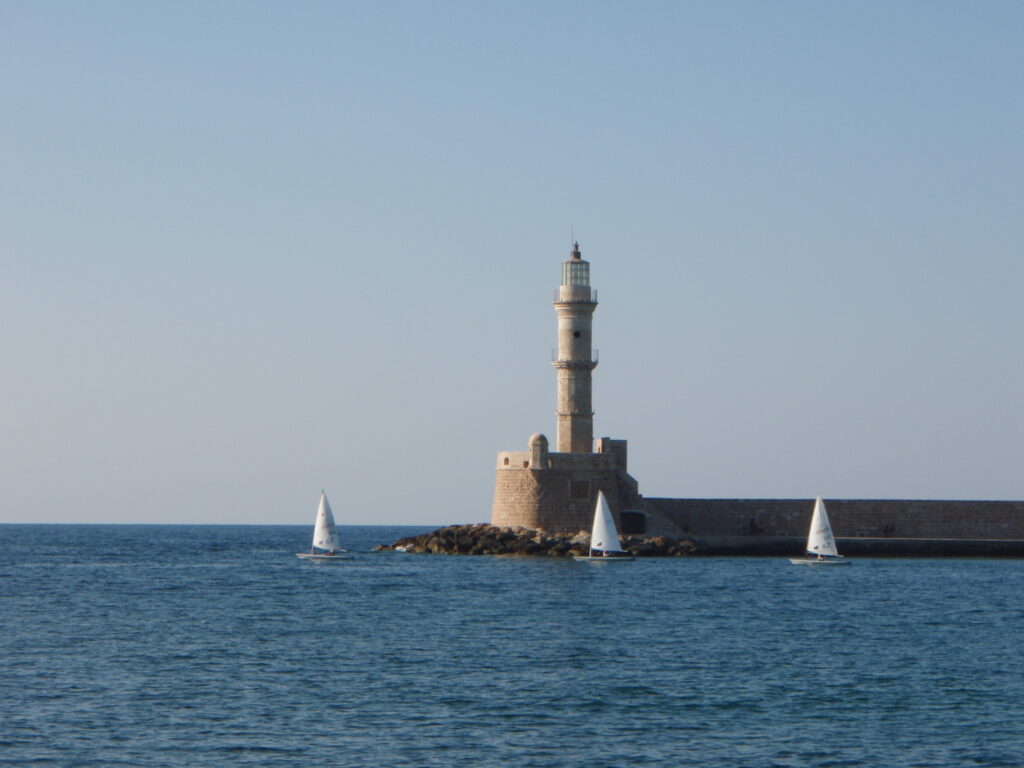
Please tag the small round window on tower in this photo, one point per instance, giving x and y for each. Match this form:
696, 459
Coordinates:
575, 334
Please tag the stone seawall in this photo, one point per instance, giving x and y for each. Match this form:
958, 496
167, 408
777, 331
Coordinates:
777, 546
850, 518
483, 539
757, 527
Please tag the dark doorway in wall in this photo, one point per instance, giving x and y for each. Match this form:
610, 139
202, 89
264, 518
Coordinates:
633, 523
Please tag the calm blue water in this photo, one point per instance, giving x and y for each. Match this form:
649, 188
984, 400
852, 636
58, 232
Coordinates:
209, 646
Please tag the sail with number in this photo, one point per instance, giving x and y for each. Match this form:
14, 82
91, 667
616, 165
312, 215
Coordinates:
324, 534
820, 540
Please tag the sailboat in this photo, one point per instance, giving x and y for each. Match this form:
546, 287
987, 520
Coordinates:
325, 544
821, 544
604, 537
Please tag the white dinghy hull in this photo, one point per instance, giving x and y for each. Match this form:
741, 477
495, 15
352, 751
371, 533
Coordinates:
624, 558
322, 558
816, 561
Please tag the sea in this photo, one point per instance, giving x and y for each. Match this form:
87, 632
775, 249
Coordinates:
185, 646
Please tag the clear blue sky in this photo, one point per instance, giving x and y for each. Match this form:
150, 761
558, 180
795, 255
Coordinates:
252, 250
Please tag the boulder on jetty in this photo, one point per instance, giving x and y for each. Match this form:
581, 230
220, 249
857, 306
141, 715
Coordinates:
484, 539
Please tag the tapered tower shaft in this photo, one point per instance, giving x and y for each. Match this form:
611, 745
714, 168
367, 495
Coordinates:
574, 361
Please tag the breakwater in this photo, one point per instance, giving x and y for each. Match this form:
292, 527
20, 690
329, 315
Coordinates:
484, 539
783, 546
938, 520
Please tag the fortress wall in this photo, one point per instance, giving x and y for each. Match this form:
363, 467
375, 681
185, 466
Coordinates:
576, 462
513, 459
545, 498
849, 517
551, 499
561, 495
516, 498
619, 449
509, 460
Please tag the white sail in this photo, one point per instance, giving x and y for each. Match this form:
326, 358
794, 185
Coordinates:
324, 535
604, 536
820, 540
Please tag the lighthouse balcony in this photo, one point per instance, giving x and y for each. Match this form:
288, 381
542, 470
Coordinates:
575, 294
591, 360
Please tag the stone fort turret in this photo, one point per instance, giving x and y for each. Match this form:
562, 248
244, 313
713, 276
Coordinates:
556, 490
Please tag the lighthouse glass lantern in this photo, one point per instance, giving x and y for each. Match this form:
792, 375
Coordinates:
576, 271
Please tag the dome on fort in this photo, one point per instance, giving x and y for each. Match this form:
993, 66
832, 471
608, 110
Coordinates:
537, 437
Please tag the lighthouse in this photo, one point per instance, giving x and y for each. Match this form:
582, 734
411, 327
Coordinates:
555, 488
574, 360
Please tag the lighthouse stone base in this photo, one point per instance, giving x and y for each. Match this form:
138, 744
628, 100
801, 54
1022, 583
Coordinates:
555, 492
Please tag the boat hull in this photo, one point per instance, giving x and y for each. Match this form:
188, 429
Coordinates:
322, 558
602, 559
815, 561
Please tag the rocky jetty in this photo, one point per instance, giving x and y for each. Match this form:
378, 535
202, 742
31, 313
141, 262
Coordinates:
484, 539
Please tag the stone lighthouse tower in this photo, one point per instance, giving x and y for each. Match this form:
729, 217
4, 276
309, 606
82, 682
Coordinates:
556, 490
575, 303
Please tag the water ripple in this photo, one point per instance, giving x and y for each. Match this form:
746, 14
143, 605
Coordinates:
226, 649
